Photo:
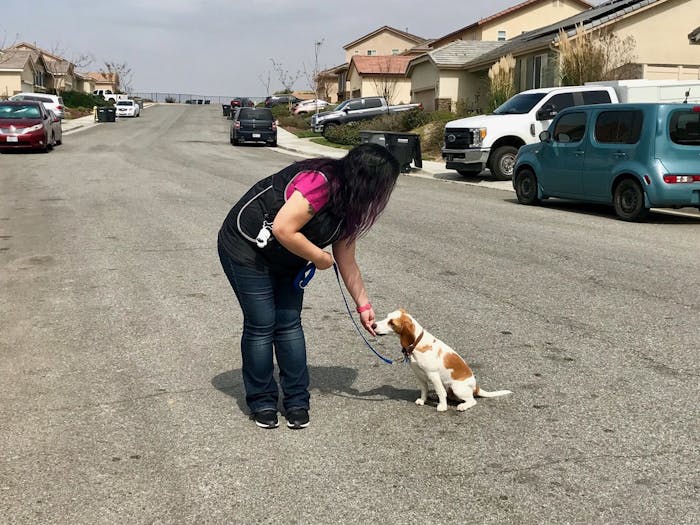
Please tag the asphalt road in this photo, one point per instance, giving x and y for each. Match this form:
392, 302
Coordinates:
120, 370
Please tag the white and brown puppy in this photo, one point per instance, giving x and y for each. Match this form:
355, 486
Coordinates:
433, 361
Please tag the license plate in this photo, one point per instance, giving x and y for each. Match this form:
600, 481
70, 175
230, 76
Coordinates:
12, 139
256, 135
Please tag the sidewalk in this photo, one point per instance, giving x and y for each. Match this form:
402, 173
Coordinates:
430, 170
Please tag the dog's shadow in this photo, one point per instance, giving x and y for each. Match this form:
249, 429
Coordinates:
330, 380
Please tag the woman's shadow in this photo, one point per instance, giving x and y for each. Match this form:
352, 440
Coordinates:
331, 380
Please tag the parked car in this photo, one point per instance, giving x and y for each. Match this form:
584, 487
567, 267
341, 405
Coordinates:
128, 108
25, 125
109, 96
276, 100
53, 102
631, 156
242, 102
309, 106
56, 129
356, 109
253, 125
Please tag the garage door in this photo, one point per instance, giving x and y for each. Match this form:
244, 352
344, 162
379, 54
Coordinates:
27, 88
425, 97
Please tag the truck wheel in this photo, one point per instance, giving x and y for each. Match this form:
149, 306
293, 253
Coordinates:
526, 187
628, 199
328, 127
503, 161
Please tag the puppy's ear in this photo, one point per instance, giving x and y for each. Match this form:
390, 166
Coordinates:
406, 330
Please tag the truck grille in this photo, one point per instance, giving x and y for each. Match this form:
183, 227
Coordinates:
458, 138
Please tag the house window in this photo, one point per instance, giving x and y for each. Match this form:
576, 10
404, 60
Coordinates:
501, 36
371, 52
539, 64
394, 51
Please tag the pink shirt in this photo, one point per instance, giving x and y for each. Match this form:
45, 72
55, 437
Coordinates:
312, 185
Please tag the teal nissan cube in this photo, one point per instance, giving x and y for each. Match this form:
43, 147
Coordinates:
632, 156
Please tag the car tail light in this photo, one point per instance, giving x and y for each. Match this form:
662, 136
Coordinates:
696, 109
274, 125
59, 108
680, 179
237, 125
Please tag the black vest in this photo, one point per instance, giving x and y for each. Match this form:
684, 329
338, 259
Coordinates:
257, 209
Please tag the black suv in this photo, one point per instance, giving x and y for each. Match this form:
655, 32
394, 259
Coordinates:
253, 125
276, 100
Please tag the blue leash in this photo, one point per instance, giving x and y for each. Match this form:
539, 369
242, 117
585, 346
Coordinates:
302, 280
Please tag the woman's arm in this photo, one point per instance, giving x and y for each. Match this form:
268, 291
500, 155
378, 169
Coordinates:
344, 254
290, 219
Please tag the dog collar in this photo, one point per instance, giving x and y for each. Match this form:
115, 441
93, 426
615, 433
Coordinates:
409, 350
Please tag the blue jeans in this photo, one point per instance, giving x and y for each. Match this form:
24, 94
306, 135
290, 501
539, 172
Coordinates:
271, 307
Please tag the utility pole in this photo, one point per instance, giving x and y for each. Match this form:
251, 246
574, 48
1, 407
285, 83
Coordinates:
317, 50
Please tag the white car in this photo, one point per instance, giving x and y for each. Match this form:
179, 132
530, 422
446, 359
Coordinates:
127, 108
309, 106
52, 102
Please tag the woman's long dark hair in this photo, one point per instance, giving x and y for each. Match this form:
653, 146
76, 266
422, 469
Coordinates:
360, 185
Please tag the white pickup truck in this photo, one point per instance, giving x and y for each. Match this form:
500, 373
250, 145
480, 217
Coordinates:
108, 95
492, 141
355, 109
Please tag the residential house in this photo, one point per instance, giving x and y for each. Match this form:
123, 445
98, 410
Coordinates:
21, 71
694, 36
105, 80
438, 77
515, 20
666, 55
385, 76
384, 41
60, 72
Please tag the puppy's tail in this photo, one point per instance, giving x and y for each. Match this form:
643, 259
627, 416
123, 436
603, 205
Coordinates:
478, 392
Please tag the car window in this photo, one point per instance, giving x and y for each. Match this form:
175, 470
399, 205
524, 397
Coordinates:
570, 128
124, 103
561, 101
596, 97
254, 114
684, 127
354, 105
619, 127
373, 103
19, 112
519, 104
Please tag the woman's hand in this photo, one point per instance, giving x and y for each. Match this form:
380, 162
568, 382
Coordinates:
367, 320
325, 261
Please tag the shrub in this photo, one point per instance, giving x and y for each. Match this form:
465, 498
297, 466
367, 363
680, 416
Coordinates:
280, 110
294, 121
77, 99
170, 100
501, 81
414, 118
347, 134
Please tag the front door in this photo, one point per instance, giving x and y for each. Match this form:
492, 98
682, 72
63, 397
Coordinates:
562, 158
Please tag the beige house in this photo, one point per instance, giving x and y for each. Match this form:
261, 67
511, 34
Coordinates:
21, 71
668, 55
104, 80
515, 20
60, 72
438, 77
384, 76
385, 41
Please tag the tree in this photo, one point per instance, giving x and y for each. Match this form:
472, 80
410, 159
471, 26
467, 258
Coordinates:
385, 82
123, 73
286, 78
594, 55
501, 81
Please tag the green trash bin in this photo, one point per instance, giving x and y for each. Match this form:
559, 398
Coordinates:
404, 146
106, 114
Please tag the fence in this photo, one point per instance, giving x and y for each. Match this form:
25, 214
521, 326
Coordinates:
191, 98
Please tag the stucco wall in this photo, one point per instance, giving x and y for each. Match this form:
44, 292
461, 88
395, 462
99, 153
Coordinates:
401, 89
424, 76
661, 33
383, 43
529, 18
10, 83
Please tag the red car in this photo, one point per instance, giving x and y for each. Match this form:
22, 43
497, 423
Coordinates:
25, 125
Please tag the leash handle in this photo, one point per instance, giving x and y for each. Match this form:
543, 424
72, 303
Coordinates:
357, 327
304, 276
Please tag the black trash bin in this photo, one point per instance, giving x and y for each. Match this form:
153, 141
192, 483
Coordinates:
227, 109
404, 146
106, 114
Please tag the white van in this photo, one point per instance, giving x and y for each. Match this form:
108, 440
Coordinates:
52, 102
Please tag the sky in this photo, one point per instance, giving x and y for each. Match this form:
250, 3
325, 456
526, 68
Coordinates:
224, 47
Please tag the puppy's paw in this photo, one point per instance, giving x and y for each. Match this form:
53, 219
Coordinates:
463, 406
442, 407
420, 401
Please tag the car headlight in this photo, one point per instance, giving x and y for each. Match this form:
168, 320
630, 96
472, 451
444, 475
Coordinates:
478, 136
32, 129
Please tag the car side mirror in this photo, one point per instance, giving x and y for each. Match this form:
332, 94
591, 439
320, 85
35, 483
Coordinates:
546, 112
545, 136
